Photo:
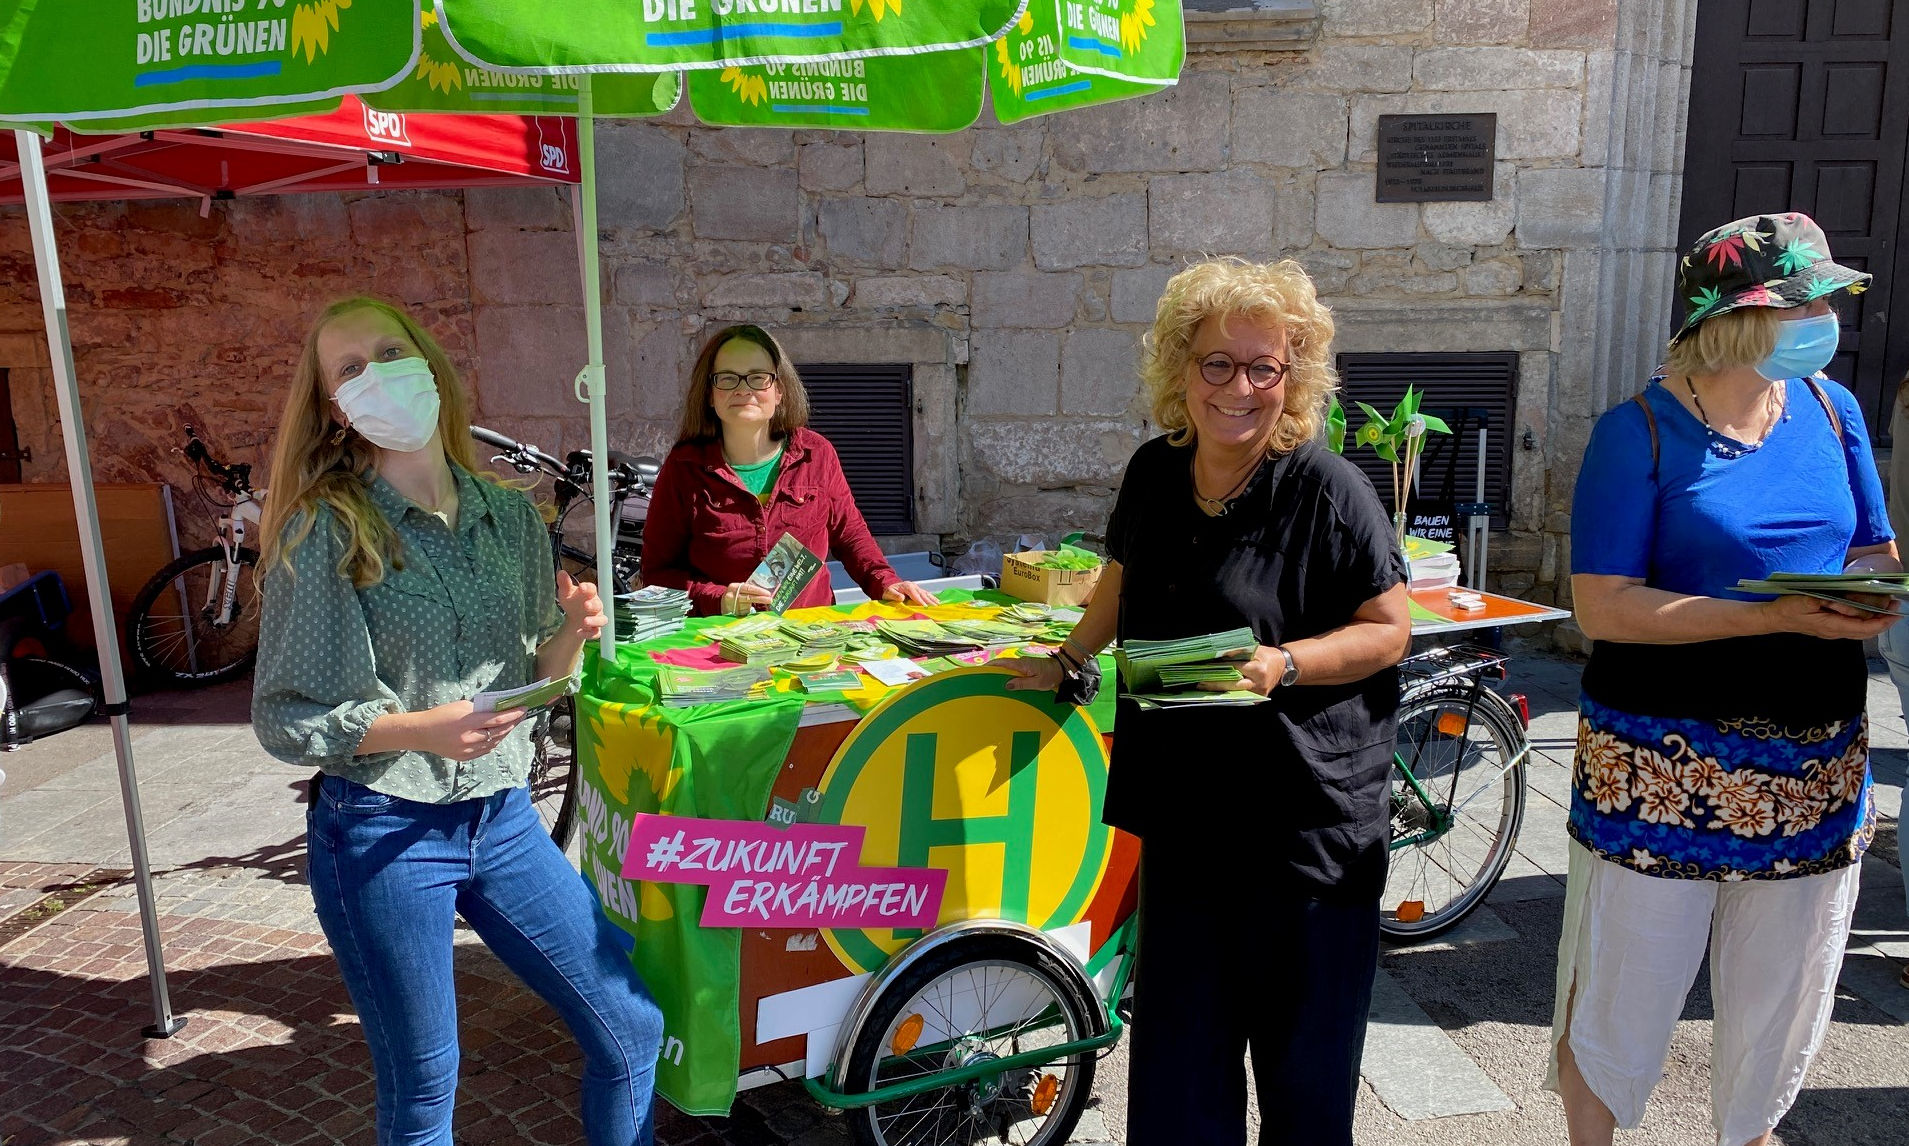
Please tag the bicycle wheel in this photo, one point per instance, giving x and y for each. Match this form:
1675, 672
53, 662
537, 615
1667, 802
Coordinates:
1457, 799
553, 768
974, 1000
177, 635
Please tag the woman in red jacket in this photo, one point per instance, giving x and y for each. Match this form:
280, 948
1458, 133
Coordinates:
747, 469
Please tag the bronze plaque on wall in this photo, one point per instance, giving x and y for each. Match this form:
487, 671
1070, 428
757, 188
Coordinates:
1436, 158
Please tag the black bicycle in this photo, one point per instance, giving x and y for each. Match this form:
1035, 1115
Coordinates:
553, 769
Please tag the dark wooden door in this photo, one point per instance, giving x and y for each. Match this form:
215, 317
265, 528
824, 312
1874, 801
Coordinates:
1803, 105
9, 435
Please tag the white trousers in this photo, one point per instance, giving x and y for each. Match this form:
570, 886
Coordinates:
1631, 947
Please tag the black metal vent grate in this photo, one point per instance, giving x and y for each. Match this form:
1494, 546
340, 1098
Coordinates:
1467, 390
867, 413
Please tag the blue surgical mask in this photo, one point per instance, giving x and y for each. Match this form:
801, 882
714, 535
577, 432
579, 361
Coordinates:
1803, 346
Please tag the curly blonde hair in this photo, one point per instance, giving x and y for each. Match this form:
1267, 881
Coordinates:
1268, 294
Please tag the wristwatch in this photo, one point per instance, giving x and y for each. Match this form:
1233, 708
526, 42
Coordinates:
1291, 676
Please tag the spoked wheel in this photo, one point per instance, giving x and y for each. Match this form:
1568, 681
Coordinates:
974, 1001
553, 768
178, 632
1455, 816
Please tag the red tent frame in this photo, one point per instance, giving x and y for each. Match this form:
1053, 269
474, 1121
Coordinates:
355, 147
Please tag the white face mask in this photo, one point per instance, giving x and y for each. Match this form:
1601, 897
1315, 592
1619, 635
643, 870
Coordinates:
393, 404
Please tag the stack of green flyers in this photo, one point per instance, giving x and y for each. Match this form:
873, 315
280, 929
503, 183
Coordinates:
649, 612
924, 638
1834, 587
1164, 674
815, 636
760, 649
993, 634
681, 687
750, 626
1181, 676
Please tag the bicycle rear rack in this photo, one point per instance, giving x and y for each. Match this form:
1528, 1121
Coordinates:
1451, 662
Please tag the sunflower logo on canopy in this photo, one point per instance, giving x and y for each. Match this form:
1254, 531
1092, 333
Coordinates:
1134, 25
749, 88
878, 8
442, 75
313, 22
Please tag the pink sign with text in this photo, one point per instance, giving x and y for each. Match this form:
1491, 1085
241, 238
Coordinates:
801, 876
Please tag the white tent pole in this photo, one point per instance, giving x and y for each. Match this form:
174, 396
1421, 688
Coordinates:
79, 469
591, 381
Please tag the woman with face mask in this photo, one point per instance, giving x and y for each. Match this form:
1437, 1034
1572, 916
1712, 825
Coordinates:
398, 584
1721, 794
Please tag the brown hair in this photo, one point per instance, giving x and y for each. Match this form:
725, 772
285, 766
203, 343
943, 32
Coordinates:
700, 423
310, 467
1279, 294
1741, 337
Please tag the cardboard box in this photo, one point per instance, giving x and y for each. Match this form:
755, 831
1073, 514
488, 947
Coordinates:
1022, 578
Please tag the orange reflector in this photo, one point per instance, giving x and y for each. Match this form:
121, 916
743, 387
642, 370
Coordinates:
1452, 723
1045, 1091
1410, 911
907, 1035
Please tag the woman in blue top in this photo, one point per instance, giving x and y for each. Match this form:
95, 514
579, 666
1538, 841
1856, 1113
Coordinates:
1721, 793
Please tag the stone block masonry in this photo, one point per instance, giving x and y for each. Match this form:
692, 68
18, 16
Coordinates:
1015, 268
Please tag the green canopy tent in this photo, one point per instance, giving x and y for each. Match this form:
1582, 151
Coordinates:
895, 65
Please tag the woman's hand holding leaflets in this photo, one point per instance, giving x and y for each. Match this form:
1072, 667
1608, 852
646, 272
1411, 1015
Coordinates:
457, 731
1815, 617
1259, 674
743, 598
582, 606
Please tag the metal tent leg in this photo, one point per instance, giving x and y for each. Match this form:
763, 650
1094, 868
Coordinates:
79, 469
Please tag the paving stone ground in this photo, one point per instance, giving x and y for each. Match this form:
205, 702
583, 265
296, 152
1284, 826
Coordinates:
273, 1053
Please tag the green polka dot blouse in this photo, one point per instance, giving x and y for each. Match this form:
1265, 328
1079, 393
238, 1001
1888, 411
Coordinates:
465, 614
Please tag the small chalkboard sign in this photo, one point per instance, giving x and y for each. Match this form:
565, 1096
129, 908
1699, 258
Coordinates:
1434, 521
1437, 158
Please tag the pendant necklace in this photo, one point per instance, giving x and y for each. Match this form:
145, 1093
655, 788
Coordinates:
1726, 447
1219, 506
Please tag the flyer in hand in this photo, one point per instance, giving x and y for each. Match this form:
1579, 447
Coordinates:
1836, 587
785, 571
530, 696
1170, 673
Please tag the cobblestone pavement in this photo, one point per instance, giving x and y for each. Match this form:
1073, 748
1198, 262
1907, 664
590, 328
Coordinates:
272, 1051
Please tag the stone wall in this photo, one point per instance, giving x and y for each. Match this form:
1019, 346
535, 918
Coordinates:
1015, 268
181, 318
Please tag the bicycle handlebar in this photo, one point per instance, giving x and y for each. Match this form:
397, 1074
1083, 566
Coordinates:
625, 472
235, 477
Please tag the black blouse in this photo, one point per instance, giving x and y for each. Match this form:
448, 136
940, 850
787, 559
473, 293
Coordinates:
1297, 786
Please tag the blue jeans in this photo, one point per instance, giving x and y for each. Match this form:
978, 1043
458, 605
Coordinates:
389, 876
1894, 644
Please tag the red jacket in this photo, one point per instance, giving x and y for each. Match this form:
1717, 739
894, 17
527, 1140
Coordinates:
705, 531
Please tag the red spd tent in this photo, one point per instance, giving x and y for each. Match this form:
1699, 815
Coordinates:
353, 148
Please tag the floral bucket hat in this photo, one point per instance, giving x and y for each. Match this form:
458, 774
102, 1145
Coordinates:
1764, 260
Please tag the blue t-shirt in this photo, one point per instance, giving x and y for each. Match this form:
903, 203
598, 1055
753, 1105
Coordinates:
1796, 504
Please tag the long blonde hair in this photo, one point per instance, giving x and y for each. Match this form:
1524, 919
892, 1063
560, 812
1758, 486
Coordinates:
313, 465
1272, 294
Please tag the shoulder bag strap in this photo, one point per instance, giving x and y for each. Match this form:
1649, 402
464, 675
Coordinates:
1822, 398
1650, 423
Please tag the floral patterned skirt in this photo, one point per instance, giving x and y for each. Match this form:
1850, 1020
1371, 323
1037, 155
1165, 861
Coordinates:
1721, 800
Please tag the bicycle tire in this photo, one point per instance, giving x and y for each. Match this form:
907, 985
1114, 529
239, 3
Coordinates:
873, 1049
553, 769
160, 633
1419, 709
